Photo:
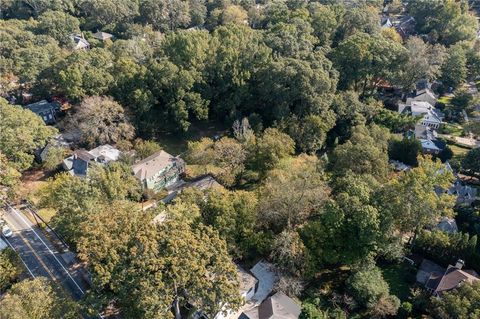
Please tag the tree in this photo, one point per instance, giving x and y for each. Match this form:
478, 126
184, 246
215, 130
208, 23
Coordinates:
82, 73
101, 120
405, 150
9, 177
454, 69
36, 299
271, 147
411, 200
324, 22
309, 133
364, 153
292, 192
424, 62
289, 253
471, 162
10, 268
22, 132
360, 19
107, 13
149, 267
59, 25
54, 157
445, 21
372, 291
165, 15
461, 303
144, 149
364, 61
115, 182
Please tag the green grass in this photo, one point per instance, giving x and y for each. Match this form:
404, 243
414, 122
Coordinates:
458, 150
445, 99
452, 129
399, 278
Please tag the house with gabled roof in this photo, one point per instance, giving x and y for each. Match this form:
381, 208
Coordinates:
159, 170
439, 280
48, 111
81, 160
277, 306
102, 36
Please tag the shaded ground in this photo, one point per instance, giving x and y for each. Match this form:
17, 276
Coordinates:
399, 277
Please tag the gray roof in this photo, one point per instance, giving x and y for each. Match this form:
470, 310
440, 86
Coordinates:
448, 225
154, 164
451, 279
102, 35
43, 106
278, 306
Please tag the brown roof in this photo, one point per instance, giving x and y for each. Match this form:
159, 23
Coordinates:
153, 164
83, 155
451, 279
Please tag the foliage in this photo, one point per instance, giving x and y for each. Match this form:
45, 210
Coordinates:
54, 157
150, 267
101, 120
10, 268
405, 150
471, 162
144, 149
59, 25
36, 299
445, 21
9, 177
21, 133
454, 70
461, 303
364, 153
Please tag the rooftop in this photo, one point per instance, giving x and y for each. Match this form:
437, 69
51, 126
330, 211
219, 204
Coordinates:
42, 105
153, 164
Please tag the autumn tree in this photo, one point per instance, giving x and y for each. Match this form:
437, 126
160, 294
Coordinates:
10, 268
146, 148
411, 200
149, 267
9, 177
36, 299
101, 120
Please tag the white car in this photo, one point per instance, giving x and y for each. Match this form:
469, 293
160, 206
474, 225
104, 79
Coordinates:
6, 231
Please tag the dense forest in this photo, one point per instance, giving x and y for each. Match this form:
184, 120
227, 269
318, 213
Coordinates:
303, 99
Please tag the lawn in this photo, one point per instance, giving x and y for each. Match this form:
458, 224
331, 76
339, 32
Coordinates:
445, 100
399, 277
452, 129
458, 151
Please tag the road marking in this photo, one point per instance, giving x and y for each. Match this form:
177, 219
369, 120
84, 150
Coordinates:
51, 252
9, 244
42, 264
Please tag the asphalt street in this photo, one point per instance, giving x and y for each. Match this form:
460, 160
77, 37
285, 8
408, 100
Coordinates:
39, 255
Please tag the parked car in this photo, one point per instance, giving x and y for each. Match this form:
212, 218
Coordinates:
6, 231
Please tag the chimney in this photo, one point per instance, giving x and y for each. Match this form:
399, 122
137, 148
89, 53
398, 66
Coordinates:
460, 263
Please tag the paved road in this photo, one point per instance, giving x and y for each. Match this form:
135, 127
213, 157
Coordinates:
39, 255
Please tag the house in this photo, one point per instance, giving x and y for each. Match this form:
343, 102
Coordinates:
422, 132
159, 170
81, 160
438, 280
277, 306
430, 116
79, 42
433, 147
425, 95
465, 194
56, 141
48, 111
447, 225
102, 36
385, 22
405, 26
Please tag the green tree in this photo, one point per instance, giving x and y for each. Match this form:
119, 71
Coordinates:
411, 200
324, 22
360, 19
101, 120
424, 62
405, 150
364, 61
372, 292
461, 303
22, 132
9, 177
445, 21
165, 15
54, 158
107, 13
364, 153
149, 267
291, 193
10, 268
454, 69
471, 162
115, 181
36, 299
59, 25
271, 147
144, 149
